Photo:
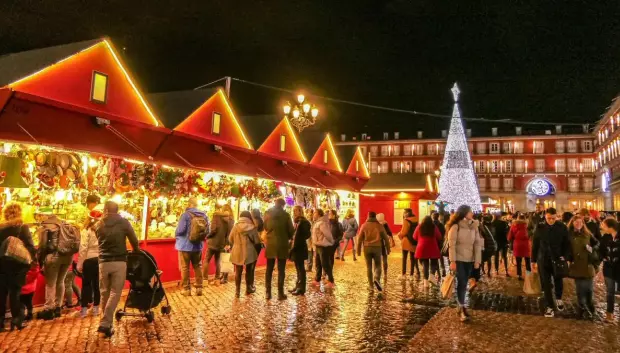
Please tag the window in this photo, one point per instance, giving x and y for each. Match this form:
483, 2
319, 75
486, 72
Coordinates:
508, 184
419, 166
559, 146
99, 88
507, 147
385, 150
325, 158
586, 146
444, 133
494, 184
587, 165
343, 137
481, 148
384, 167
588, 184
420, 134
573, 184
519, 166
396, 150
419, 150
508, 166
430, 166
431, 148
558, 129
560, 165
519, 147
494, 167
395, 166
482, 183
374, 151
468, 132
538, 147
573, 165
481, 166
363, 150
572, 146
407, 167
282, 143
407, 150
539, 165
470, 147
518, 130
215, 123
373, 167
396, 135
493, 131
364, 137
386, 136
442, 148
494, 147
357, 165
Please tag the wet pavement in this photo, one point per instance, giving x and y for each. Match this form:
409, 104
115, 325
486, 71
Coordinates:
347, 318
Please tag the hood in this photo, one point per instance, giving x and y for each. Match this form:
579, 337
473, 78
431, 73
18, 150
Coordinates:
196, 212
223, 215
372, 220
518, 222
14, 223
245, 224
464, 223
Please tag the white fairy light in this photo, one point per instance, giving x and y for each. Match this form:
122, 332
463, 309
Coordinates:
457, 183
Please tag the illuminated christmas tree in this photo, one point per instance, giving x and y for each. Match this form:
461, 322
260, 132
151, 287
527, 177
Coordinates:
457, 183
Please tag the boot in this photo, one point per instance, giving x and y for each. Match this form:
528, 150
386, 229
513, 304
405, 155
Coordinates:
198, 292
17, 323
46, 315
237, 292
57, 312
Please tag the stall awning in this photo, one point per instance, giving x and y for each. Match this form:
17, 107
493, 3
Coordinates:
396, 182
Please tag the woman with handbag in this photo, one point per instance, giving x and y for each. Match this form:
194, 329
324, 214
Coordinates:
17, 254
583, 246
243, 236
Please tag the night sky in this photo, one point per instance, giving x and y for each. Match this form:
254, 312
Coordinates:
545, 62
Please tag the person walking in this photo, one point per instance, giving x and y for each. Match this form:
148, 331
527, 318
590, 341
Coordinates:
550, 245
610, 254
337, 234
500, 234
323, 241
299, 252
260, 228
372, 237
12, 272
384, 252
280, 230
428, 237
583, 246
465, 252
350, 227
408, 244
593, 226
243, 239
217, 240
189, 242
113, 232
521, 248
310, 261
88, 265
438, 221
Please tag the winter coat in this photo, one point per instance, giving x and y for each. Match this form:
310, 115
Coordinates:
30, 284
280, 230
388, 231
17, 228
519, 239
489, 246
441, 227
89, 246
594, 228
112, 232
321, 233
579, 256
350, 227
48, 230
182, 232
610, 254
243, 238
303, 232
337, 231
550, 242
428, 245
500, 232
465, 242
219, 229
409, 226
372, 234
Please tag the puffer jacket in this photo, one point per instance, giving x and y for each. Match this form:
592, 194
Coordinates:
243, 238
219, 229
321, 233
519, 239
372, 234
550, 243
350, 227
465, 242
89, 246
408, 224
113, 231
579, 256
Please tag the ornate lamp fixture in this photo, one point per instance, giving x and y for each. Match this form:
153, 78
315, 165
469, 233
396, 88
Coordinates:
302, 114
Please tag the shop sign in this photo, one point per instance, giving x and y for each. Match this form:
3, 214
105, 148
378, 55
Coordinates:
540, 187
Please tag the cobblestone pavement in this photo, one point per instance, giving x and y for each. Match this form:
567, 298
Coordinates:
346, 318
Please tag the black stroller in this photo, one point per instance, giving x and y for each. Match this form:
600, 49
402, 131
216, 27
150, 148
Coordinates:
146, 291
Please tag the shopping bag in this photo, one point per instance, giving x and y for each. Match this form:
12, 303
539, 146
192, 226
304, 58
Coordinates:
447, 287
14, 248
532, 283
227, 266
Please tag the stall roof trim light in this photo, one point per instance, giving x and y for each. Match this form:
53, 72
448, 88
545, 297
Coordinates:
360, 155
391, 190
290, 132
235, 120
107, 44
331, 148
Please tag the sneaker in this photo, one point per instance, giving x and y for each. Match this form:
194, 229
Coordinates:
316, 283
107, 331
560, 304
549, 312
199, 292
96, 310
186, 293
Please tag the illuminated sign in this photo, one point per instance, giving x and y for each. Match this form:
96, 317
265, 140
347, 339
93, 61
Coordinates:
540, 187
605, 178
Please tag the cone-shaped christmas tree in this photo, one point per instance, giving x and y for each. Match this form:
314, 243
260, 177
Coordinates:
457, 183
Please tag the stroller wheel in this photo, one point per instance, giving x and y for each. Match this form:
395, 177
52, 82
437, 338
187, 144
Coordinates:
119, 315
150, 316
165, 310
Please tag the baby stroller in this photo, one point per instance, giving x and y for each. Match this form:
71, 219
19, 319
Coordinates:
146, 290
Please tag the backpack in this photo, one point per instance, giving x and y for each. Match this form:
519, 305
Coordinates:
198, 228
412, 227
68, 239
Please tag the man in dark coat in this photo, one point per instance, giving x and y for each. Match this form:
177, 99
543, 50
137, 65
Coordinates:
500, 230
550, 244
217, 240
280, 230
591, 223
299, 252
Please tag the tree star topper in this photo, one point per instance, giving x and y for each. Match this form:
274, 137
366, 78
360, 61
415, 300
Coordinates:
455, 92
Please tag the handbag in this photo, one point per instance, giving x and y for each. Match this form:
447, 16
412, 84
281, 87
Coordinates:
14, 248
531, 285
227, 266
447, 286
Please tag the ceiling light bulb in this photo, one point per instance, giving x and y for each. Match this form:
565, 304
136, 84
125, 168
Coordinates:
306, 108
296, 112
315, 112
287, 108
301, 98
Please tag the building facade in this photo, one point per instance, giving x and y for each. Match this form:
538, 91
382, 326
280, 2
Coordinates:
607, 163
516, 169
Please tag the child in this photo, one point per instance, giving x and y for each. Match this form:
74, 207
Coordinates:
28, 289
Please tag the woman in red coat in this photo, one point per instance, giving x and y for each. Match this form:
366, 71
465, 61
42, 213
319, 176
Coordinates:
428, 236
28, 289
520, 244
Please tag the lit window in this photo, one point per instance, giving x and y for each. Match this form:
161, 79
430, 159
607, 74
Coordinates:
494, 184
430, 165
494, 147
325, 156
559, 146
494, 166
385, 150
508, 184
99, 89
482, 183
539, 165
508, 166
357, 166
396, 166
384, 167
573, 184
407, 150
282, 143
519, 147
519, 163
538, 147
481, 166
573, 165
373, 167
507, 147
586, 146
374, 150
215, 126
396, 150
419, 166
481, 147
560, 165
572, 146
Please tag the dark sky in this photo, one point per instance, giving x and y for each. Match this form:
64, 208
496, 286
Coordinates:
536, 61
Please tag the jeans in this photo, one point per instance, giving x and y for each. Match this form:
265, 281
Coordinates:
55, 271
194, 259
12, 277
585, 288
425, 266
111, 282
301, 275
90, 282
218, 263
346, 245
611, 293
271, 263
323, 263
528, 266
550, 284
414, 262
504, 253
463, 272
249, 277
71, 288
373, 254
310, 261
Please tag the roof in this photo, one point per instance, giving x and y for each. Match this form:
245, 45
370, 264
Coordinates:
310, 141
173, 108
345, 153
259, 127
396, 182
18, 65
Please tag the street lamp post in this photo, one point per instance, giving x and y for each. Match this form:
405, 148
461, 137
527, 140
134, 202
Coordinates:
302, 114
